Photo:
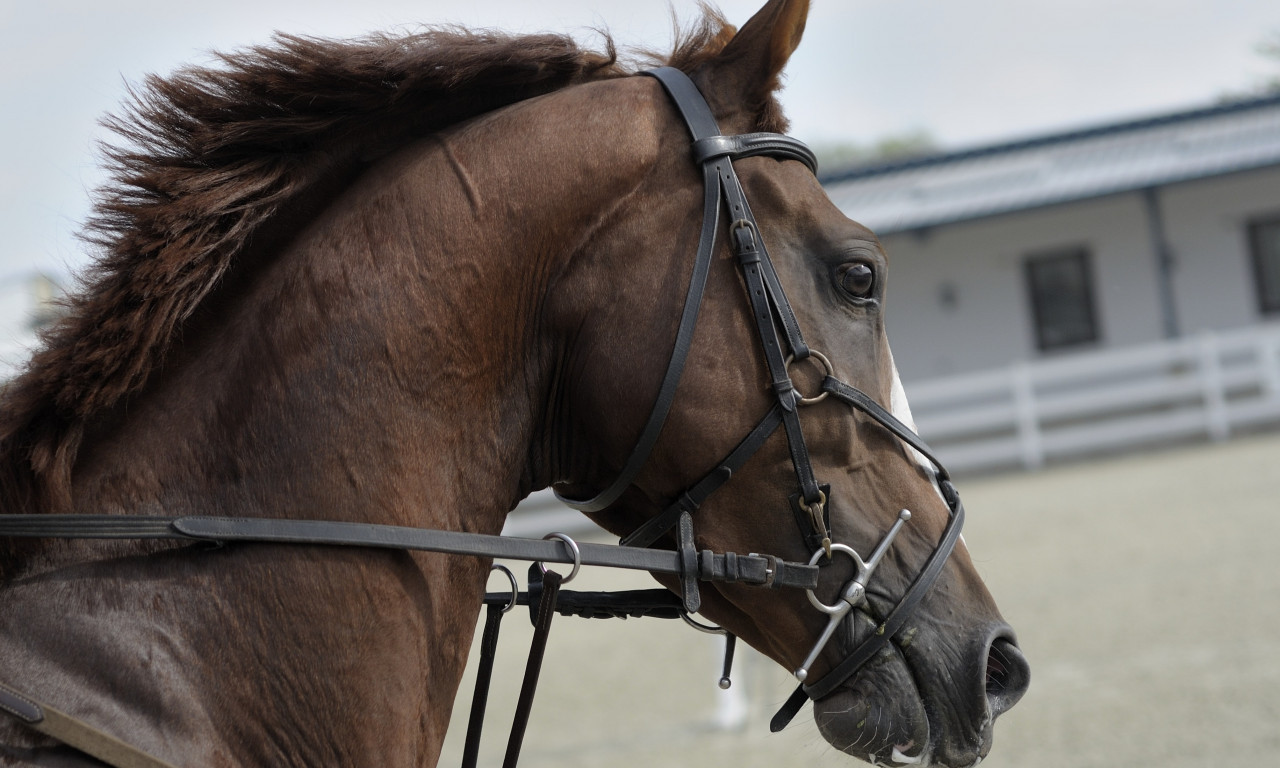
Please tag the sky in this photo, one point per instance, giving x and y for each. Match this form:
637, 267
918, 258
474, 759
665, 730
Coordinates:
968, 73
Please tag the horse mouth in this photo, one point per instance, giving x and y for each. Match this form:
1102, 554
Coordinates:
878, 715
899, 710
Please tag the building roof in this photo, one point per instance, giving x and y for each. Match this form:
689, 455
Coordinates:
1059, 168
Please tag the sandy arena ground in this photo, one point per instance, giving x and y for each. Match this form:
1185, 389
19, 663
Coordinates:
1145, 591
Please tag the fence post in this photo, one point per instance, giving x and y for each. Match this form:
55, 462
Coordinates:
1269, 363
1215, 396
1024, 406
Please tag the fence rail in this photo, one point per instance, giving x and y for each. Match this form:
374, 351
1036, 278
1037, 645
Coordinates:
1204, 386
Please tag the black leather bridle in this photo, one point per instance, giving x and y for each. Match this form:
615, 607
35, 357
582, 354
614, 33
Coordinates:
776, 325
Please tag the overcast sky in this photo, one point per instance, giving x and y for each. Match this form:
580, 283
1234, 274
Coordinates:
967, 72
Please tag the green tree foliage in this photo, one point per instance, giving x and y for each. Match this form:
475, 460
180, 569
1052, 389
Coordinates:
833, 155
1270, 48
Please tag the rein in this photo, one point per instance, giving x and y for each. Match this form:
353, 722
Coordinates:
776, 325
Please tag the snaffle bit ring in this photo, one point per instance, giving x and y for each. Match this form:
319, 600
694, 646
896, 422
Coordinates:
842, 605
573, 547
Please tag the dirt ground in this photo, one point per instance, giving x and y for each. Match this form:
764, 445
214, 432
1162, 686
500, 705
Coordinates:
1145, 591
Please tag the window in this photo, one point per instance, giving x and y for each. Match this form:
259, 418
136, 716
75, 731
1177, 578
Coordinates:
1060, 287
1264, 246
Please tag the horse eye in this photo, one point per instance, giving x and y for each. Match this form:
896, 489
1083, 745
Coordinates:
856, 279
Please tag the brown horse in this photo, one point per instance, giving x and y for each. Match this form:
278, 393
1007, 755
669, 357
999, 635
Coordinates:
410, 281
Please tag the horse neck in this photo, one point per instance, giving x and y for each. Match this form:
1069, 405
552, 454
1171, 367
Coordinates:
398, 359
384, 366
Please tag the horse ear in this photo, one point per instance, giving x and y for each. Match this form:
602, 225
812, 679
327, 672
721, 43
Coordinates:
747, 69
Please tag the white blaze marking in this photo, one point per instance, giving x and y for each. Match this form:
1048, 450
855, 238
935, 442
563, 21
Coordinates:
901, 410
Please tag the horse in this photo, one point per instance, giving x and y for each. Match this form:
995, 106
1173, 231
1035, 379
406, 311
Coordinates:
408, 280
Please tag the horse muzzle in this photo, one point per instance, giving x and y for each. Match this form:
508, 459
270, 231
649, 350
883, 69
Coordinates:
928, 699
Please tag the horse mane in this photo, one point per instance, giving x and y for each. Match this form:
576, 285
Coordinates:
210, 155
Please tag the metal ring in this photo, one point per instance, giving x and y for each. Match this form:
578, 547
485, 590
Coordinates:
826, 364
573, 547
515, 588
840, 606
710, 629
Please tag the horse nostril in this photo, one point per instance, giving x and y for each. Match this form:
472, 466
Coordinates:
1008, 676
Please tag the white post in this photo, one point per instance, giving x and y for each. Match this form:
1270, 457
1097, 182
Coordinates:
1215, 396
1269, 365
1024, 405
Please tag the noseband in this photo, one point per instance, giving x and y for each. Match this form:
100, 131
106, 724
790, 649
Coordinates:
776, 325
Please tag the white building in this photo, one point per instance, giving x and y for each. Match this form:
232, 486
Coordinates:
1016, 267
1092, 239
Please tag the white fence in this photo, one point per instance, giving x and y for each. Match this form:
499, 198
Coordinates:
1204, 386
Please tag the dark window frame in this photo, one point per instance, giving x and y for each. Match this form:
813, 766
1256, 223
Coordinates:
1268, 301
1035, 270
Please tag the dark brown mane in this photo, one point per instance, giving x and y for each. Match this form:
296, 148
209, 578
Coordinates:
210, 156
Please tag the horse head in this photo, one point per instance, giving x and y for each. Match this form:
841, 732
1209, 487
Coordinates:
762, 448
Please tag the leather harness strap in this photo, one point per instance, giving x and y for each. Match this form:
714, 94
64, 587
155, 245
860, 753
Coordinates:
763, 570
75, 732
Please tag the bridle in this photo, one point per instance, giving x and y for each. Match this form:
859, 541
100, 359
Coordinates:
776, 325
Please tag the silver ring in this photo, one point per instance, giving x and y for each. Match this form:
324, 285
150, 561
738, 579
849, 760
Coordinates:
710, 629
573, 547
515, 589
826, 364
841, 606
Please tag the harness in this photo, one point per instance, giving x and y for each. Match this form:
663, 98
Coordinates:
783, 347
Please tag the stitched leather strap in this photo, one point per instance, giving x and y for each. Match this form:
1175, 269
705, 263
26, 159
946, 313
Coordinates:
484, 675
753, 569
690, 500
701, 122
537, 649
627, 604
863, 402
754, 145
74, 732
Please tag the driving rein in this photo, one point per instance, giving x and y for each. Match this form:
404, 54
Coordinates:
776, 325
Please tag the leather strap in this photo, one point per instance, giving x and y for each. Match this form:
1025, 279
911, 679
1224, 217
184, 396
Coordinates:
753, 145
863, 402
692, 499
684, 333
484, 675
74, 732
634, 603
541, 630
753, 569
